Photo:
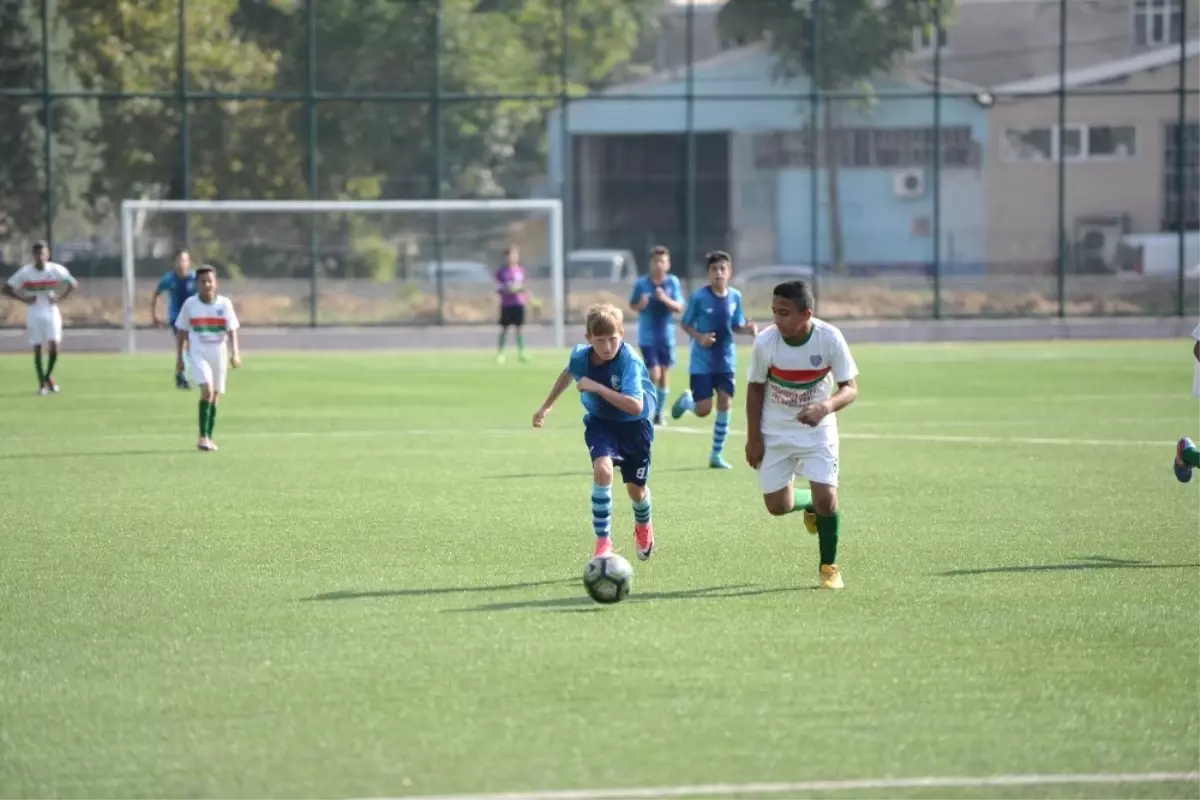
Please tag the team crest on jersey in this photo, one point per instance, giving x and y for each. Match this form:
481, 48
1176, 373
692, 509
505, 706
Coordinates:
814, 360
616, 382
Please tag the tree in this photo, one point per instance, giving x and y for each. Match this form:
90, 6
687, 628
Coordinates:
845, 43
237, 149
23, 135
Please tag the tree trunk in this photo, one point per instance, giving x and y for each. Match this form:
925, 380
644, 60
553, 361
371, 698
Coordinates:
833, 156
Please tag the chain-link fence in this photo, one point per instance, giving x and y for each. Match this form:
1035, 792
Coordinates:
916, 158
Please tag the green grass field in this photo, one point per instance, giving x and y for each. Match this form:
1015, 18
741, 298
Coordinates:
373, 588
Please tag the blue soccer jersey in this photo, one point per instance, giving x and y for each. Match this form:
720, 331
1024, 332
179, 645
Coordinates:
625, 373
656, 322
177, 289
709, 313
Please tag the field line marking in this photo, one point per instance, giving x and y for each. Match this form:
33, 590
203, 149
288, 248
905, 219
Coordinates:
740, 789
931, 438
955, 439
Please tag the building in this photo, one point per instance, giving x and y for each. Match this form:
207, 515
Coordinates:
754, 165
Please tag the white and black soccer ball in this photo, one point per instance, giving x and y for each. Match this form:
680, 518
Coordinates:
608, 579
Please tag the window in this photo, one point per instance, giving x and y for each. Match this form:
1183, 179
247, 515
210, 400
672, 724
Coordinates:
1157, 22
1189, 161
923, 38
1075, 143
864, 148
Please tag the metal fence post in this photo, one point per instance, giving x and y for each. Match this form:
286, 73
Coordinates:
1062, 161
814, 148
185, 126
937, 162
1181, 162
567, 186
689, 145
438, 156
314, 191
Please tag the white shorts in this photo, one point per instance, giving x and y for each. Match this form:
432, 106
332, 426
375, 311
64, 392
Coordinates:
209, 363
43, 325
784, 462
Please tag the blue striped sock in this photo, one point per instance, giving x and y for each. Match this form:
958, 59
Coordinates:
720, 429
601, 509
663, 392
641, 510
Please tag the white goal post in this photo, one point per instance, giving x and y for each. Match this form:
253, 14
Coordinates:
134, 213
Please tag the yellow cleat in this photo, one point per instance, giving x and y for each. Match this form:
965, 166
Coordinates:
810, 522
831, 577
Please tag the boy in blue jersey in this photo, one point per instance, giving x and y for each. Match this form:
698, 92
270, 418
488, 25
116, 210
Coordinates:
617, 393
714, 314
178, 285
657, 298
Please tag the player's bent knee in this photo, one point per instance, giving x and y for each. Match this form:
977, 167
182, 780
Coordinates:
703, 408
777, 505
826, 503
637, 492
602, 471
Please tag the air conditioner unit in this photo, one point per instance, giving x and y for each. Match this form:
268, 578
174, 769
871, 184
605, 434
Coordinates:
908, 183
1097, 242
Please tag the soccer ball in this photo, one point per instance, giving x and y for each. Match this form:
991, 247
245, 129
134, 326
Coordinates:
608, 579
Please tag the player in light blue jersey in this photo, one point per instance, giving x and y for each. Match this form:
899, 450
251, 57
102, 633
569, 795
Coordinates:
714, 314
657, 298
178, 285
618, 395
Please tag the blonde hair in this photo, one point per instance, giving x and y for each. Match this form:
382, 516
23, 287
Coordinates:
604, 319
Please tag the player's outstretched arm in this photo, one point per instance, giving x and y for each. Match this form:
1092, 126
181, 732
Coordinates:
235, 351
71, 284
7, 291
756, 394
180, 341
560, 385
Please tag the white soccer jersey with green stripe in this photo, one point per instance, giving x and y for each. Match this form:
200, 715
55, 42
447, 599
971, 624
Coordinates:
207, 323
799, 375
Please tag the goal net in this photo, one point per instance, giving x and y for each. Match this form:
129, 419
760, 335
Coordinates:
348, 263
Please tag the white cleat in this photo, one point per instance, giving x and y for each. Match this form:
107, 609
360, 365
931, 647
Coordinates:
205, 444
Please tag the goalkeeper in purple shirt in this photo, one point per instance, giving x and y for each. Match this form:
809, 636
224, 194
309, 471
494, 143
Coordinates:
510, 285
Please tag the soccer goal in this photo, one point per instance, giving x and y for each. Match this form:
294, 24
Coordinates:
348, 263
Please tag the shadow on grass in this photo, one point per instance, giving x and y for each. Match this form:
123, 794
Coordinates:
347, 594
582, 603
587, 473
1075, 565
92, 454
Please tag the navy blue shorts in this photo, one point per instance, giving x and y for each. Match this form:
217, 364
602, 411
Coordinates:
658, 355
626, 443
704, 385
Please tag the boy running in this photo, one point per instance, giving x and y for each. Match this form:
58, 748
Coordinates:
37, 285
657, 298
510, 285
791, 422
617, 393
714, 314
203, 324
178, 285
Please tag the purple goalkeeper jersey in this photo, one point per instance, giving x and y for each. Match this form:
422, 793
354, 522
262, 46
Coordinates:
511, 298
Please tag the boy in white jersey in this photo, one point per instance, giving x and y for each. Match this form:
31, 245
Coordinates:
791, 427
37, 285
204, 322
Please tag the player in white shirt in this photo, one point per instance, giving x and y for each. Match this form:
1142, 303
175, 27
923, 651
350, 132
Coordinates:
206, 322
1187, 457
41, 286
801, 375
